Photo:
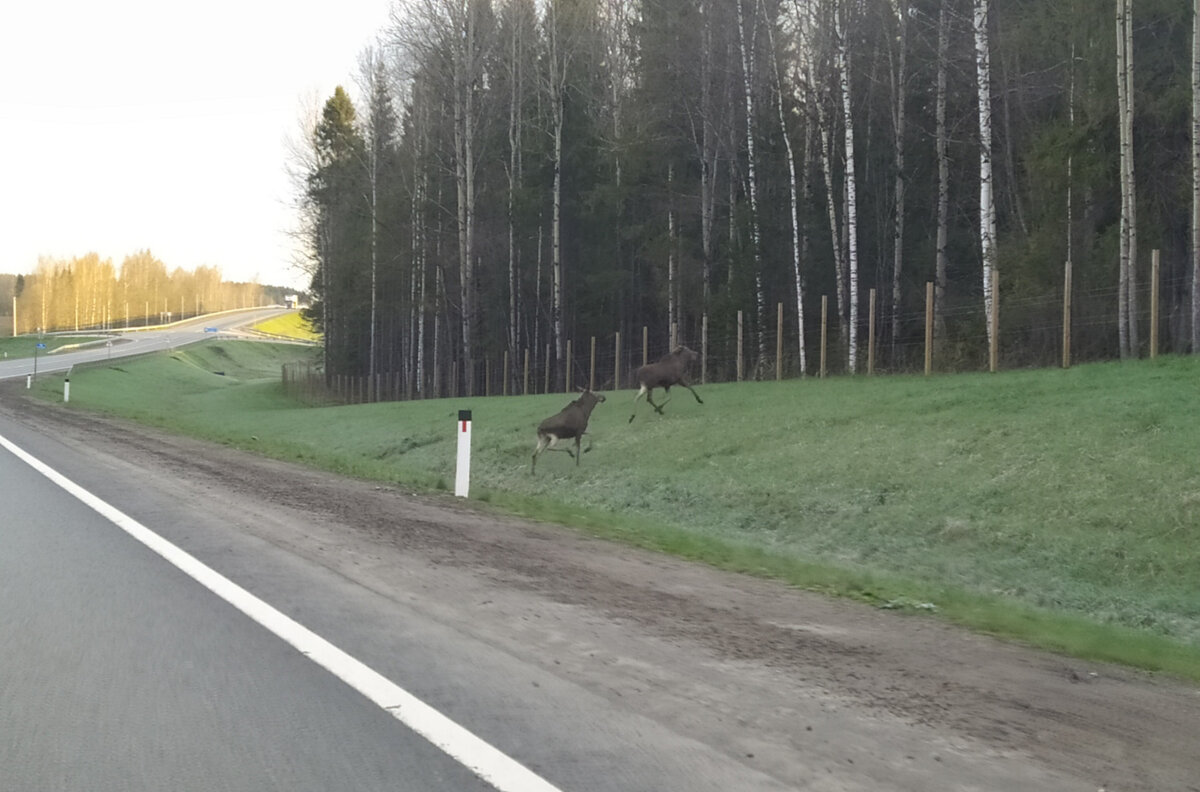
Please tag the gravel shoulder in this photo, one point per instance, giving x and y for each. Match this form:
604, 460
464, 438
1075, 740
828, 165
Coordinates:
816, 693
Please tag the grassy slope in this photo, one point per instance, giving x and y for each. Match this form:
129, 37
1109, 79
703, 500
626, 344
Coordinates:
1034, 504
289, 325
24, 346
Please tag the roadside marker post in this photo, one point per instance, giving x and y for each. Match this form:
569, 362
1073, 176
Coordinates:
462, 478
66, 390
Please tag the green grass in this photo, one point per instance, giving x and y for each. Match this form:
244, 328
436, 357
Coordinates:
24, 346
1061, 508
289, 325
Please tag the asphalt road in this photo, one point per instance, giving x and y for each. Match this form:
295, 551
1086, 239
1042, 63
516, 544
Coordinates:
137, 342
120, 672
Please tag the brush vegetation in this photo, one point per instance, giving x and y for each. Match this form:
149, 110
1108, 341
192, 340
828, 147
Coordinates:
1061, 508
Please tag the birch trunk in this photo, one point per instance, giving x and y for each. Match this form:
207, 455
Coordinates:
558, 63
1131, 186
794, 198
465, 67
987, 205
851, 191
943, 189
1126, 330
748, 67
831, 202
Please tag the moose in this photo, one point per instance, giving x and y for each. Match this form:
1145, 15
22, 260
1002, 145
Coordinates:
669, 370
570, 422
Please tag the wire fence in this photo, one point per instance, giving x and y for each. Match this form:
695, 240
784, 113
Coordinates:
1035, 331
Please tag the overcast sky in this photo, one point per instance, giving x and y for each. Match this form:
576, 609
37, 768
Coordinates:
132, 124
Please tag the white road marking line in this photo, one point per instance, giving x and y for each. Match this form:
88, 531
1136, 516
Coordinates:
496, 768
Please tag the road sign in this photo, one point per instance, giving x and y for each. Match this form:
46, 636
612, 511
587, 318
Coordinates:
41, 345
210, 329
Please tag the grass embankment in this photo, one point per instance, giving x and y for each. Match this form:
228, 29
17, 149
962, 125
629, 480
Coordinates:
24, 346
1057, 507
289, 325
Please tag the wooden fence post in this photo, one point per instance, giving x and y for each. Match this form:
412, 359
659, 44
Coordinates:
1066, 324
487, 376
871, 334
617, 362
505, 388
1154, 272
778, 342
739, 349
645, 345
546, 387
928, 328
824, 330
703, 348
674, 335
525, 381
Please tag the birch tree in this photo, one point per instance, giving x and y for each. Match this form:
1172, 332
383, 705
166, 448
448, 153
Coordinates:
793, 206
987, 203
560, 47
851, 228
746, 45
1127, 284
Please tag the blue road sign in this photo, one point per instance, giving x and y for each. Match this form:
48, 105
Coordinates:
41, 346
210, 329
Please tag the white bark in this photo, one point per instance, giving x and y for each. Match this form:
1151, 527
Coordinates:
748, 69
558, 64
797, 278
987, 204
1126, 289
851, 188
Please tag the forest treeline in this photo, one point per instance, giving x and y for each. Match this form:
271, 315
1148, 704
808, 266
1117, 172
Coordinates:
91, 293
510, 175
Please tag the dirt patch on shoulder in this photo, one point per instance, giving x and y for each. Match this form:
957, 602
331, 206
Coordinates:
795, 679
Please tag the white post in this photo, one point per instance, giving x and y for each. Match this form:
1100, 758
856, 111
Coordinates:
462, 478
66, 390
28, 381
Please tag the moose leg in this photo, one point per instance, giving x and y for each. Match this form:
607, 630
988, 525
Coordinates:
693, 390
640, 394
578, 453
544, 441
658, 408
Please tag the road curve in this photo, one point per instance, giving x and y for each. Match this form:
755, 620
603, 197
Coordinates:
124, 343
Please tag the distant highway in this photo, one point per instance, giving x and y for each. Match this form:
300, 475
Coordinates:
124, 343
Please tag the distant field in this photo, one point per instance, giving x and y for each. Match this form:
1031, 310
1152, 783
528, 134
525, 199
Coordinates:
289, 325
24, 346
1058, 507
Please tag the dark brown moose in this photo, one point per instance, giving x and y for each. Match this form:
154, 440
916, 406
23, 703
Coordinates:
670, 369
570, 422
